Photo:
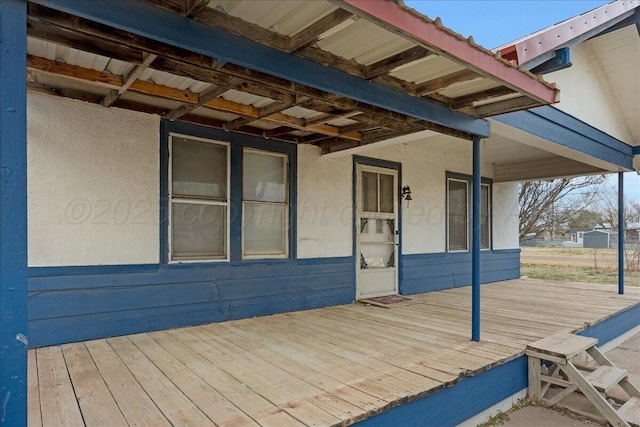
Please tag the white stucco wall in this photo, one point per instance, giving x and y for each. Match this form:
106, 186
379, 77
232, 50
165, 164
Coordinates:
93, 177
94, 190
325, 200
586, 94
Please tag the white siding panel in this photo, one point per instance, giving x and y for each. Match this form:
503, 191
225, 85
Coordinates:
586, 93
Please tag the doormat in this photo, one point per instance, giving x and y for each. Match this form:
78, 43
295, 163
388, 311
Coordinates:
386, 300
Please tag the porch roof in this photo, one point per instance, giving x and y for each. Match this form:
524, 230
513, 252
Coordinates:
329, 366
336, 74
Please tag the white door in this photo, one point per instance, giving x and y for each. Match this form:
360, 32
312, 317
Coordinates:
376, 232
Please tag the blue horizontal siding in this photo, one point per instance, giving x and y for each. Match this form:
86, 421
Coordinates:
432, 272
69, 304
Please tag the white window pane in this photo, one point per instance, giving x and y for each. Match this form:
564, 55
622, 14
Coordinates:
386, 193
458, 197
484, 218
263, 177
457, 221
369, 192
264, 229
198, 231
198, 169
457, 232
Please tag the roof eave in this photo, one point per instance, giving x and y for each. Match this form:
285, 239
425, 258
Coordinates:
576, 29
434, 37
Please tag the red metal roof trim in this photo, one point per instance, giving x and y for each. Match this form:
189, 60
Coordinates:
550, 38
426, 32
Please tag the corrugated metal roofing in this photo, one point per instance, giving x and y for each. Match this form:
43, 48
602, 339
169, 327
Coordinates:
286, 17
364, 42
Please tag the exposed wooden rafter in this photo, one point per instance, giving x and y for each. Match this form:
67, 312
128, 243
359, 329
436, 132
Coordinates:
206, 69
387, 64
432, 86
309, 35
203, 97
129, 80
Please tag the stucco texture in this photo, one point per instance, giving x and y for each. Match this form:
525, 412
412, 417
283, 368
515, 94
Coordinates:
93, 184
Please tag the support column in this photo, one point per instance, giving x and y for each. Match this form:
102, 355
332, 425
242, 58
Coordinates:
475, 240
13, 213
621, 233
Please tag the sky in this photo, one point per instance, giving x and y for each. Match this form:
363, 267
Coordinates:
493, 23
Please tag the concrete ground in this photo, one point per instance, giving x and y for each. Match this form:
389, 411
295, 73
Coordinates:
626, 356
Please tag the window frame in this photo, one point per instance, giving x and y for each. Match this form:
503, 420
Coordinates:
469, 229
195, 201
467, 238
286, 204
236, 143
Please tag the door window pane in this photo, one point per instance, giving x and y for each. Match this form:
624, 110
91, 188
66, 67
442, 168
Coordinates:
457, 221
386, 193
264, 228
263, 177
199, 169
369, 192
198, 231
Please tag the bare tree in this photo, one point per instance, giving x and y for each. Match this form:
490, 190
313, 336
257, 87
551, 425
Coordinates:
546, 204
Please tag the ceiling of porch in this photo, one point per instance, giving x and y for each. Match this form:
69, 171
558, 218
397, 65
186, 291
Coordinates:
73, 57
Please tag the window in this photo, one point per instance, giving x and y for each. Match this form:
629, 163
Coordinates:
199, 199
459, 211
485, 217
265, 209
228, 196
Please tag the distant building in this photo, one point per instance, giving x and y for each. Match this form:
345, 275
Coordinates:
602, 238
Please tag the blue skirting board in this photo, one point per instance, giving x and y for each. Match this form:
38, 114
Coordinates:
472, 395
68, 304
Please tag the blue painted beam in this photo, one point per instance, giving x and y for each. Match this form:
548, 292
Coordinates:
475, 249
561, 60
157, 24
13, 213
621, 232
636, 150
563, 129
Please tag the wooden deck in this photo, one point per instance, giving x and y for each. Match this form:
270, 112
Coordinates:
329, 366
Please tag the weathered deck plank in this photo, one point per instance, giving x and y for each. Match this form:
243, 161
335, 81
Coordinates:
330, 366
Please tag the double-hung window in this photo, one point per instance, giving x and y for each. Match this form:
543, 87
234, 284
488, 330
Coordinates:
264, 204
459, 224
229, 197
199, 197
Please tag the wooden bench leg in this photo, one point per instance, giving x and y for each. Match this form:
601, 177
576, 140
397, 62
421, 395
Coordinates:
534, 379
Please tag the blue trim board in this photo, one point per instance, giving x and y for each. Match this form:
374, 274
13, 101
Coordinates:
472, 395
562, 59
81, 303
456, 404
166, 27
611, 328
13, 213
237, 142
563, 129
446, 270
636, 150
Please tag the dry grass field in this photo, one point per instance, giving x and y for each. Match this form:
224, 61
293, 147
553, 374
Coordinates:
574, 264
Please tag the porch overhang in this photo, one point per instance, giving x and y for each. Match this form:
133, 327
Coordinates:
304, 87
